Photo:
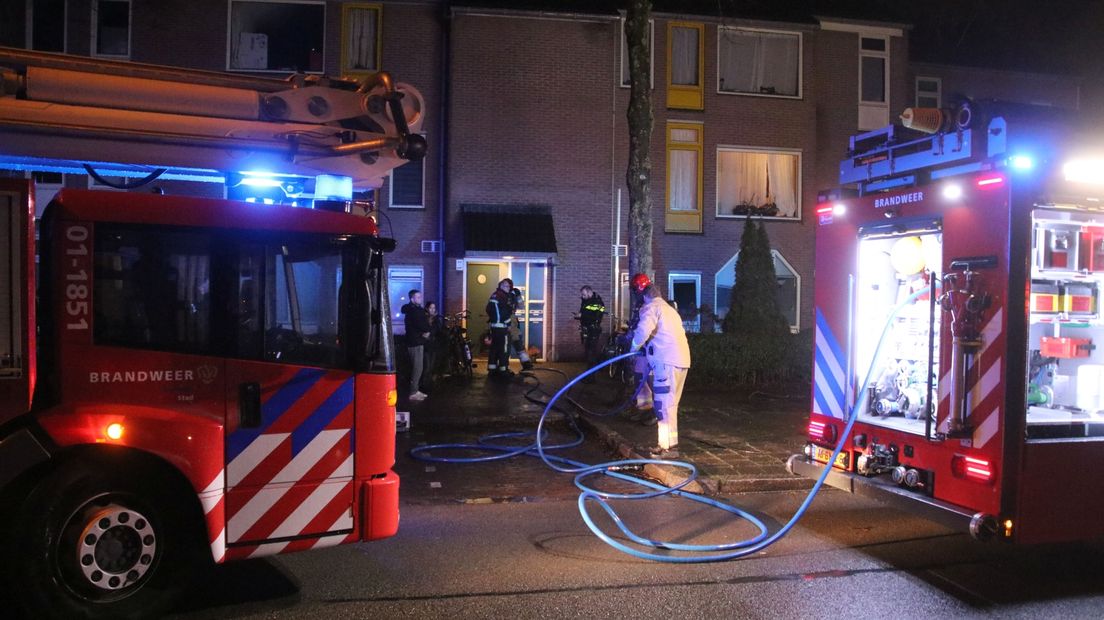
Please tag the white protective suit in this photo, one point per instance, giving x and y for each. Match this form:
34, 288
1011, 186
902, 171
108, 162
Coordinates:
660, 333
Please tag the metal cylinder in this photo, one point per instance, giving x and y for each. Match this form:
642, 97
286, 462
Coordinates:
130, 93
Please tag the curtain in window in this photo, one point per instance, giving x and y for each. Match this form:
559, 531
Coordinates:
742, 179
684, 56
684, 180
759, 62
360, 48
782, 173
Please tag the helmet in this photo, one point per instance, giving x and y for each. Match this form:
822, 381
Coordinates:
640, 282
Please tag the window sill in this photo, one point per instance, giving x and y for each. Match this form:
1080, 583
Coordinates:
762, 95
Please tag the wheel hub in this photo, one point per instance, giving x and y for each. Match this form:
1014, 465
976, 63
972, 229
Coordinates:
117, 547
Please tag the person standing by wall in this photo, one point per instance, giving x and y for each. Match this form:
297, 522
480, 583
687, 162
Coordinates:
660, 334
591, 313
500, 312
434, 345
417, 335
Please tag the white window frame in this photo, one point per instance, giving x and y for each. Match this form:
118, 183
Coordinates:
230, 25
763, 151
95, 8
938, 94
684, 276
391, 188
800, 64
403, 273
775, 254
29, 38
874, 114
624, 53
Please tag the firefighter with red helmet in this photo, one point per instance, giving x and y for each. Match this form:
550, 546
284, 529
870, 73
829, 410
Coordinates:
659, 332
500, 311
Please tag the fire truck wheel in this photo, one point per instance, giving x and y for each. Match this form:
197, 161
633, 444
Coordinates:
103, 545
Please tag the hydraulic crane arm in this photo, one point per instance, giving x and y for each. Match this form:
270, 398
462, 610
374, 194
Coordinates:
61, 112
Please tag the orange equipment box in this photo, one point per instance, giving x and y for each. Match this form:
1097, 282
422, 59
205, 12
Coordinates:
1066, 347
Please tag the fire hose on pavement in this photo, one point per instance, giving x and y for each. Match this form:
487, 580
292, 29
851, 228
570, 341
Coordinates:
616, 469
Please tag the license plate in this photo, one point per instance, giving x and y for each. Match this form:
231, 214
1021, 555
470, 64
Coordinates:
843, 460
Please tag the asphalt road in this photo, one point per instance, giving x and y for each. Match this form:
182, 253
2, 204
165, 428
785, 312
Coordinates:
506, 540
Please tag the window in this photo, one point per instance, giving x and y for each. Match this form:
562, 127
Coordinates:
625, 55
276, 36
407, 185
111, 28
152, 289
685, 65
929, 92
873, 82
47, 25
789, 288
758, 62
758, 182
684, 177
400, 281
360, 38
684, 289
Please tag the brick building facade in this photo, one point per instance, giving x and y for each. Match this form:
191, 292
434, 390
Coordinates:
526, 117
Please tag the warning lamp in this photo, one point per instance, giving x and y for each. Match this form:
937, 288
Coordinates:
1021, 162
838, 209
114, 431
970, 468
990, 182
1090, 171
822, 432
952, 191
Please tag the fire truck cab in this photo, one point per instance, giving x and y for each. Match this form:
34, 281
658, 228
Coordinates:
188, 380
958, 285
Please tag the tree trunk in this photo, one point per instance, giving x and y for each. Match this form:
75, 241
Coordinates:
639, 173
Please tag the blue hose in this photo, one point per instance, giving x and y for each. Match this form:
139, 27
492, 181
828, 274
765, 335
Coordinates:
582, 471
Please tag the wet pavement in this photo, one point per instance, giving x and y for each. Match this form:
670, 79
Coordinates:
739, 439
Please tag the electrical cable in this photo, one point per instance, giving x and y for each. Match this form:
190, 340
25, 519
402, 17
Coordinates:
616, 469
157, 172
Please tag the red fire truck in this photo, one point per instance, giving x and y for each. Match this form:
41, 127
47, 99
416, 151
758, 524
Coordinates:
187, 379
958, 292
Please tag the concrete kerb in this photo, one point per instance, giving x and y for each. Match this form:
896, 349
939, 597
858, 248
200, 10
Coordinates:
706, 485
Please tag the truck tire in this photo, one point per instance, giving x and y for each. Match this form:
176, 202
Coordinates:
96, 544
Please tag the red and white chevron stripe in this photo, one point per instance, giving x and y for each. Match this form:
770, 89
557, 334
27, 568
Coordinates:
985, 381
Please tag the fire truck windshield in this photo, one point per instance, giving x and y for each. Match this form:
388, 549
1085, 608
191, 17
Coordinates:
287, 300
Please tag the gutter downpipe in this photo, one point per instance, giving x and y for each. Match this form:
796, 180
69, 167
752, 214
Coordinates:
442, 148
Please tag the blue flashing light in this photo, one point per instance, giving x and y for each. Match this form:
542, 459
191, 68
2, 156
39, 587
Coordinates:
331, 187
261, 182
1021, 162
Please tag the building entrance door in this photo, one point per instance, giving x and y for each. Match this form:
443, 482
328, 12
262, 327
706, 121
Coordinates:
481, 279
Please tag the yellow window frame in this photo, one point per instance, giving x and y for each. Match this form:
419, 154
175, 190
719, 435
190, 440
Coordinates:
346, 62
684, 221
686, 96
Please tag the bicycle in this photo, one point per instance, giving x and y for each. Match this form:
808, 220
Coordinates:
617, 344
459, 346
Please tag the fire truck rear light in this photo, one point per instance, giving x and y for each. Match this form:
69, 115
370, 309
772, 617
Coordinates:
971, 468
392, 397
114, 431
825, 210
838, 210
822, 432
990, 182
952, 192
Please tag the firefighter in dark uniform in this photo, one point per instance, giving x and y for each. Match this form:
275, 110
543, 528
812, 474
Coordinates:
500, 311
591, 312
517, 347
